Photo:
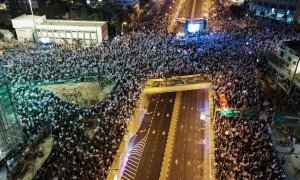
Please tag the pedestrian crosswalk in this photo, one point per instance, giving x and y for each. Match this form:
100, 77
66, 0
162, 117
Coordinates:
134, 159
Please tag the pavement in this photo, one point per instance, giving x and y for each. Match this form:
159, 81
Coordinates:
146, 156
190, 158
193, 10
291, 166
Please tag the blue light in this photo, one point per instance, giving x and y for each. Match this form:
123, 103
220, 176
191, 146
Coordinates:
193, 28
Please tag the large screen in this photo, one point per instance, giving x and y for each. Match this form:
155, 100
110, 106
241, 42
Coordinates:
193, 27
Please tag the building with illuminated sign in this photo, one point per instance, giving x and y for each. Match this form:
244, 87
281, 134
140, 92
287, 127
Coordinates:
285, 10
59, 31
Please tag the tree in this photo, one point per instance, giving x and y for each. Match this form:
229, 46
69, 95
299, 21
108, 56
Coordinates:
65, 40
84, 14
1, 36
96, 16
77, 42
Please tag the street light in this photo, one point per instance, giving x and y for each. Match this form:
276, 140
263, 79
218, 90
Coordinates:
34, 33
124, 23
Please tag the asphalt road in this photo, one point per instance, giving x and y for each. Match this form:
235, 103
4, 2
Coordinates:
186, 11
200, 10
189, 160
146, 155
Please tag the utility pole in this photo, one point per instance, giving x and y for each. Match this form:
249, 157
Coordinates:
34, 32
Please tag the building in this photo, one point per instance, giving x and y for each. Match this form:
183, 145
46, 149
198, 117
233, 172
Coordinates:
3, 6
237, 2
10, 131
124, 4
285, 10
286, 62
59, 31
34, 3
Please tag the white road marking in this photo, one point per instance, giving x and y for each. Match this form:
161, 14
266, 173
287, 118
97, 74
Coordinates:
176, 162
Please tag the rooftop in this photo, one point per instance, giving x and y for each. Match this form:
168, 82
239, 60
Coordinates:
55, 22
74, 23
26, 17
295, 45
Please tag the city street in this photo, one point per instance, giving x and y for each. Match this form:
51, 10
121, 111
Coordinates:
198, 11
190, 157
192, 10
147, 153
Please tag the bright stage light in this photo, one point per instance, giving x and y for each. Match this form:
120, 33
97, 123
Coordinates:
193, 28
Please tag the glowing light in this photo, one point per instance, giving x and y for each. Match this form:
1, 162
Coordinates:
180, 34
45, 40
116, 177
202, 116
193, 28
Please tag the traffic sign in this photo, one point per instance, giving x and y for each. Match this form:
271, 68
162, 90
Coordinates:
250, 114
278, 117
230, 112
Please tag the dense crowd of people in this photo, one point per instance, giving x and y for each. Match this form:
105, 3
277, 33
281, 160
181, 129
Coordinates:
229, 52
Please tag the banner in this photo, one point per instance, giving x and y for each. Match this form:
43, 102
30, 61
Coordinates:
223, 101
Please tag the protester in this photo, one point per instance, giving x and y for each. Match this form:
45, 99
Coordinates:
229, 53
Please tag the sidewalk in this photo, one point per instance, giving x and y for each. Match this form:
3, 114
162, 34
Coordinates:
291, 166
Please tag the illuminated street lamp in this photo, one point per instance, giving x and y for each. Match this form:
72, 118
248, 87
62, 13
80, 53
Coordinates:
34, 31
122, 30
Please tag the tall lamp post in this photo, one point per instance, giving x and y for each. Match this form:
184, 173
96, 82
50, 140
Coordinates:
123, 24
34, 31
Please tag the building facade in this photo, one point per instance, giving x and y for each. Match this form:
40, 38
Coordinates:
286, 61
284, 10
124, 4
10, 131
59, 31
